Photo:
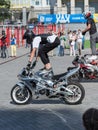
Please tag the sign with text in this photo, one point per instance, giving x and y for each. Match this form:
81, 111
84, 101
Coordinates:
61, 18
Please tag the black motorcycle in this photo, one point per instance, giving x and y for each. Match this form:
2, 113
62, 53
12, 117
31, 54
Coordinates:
33, 84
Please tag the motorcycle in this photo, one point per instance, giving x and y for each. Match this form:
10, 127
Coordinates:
34, 84
88, 70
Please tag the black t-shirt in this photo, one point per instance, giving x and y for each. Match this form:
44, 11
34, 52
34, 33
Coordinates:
29, 35
93, 26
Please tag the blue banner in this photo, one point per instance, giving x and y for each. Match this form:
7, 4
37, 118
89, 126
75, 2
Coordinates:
48, 18
61, 18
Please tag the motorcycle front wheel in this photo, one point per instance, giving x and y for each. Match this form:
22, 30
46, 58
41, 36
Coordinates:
75, 94
20, 95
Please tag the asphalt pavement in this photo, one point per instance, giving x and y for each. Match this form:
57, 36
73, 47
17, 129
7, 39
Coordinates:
42, 113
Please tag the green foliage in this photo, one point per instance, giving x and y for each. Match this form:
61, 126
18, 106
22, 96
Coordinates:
4, 9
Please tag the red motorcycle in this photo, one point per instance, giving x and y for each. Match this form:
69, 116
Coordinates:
88, 68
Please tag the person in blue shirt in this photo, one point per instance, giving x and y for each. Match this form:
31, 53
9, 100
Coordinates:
13, 45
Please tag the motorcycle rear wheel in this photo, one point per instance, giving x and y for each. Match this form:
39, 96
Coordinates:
20, 95
78, 93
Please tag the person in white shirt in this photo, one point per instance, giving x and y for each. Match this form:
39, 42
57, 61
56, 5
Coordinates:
72, 43
79, 41
44, 43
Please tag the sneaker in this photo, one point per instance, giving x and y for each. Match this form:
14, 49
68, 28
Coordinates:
46, 73
41, 69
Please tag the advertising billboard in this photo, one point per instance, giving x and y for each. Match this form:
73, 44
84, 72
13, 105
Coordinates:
61, 18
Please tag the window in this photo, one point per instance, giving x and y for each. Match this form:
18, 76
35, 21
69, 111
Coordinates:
47, 2
37, 2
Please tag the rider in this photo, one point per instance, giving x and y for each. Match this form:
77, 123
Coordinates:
42, 44
91, 27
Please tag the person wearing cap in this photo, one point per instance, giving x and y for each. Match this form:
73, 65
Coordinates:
91, 27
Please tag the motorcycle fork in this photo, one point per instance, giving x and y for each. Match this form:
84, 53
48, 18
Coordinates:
29, 86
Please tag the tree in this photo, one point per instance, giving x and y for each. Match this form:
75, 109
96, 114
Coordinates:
4, 9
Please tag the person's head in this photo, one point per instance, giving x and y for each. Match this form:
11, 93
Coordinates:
12, 35
87, 14
74, 32
3, 32
79, 31
90, 119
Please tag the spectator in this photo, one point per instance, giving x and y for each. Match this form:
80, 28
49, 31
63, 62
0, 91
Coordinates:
69, 37
29, 35
3, 44
62, 44
72, 43
13, 45
90, 119
79, 41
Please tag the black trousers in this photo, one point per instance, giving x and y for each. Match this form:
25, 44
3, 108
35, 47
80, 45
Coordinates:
3, 51
44, 49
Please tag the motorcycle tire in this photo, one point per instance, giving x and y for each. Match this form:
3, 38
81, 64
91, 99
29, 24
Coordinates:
20, 95
78, 93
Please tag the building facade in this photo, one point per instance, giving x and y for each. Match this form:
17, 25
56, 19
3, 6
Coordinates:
36, 7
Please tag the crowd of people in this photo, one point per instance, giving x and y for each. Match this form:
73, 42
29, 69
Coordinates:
76, 42
3, 49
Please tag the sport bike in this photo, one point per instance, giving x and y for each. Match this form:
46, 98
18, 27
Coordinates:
33, 84
88, 68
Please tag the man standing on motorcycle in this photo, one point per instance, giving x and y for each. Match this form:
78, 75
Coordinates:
91, 27
42, 44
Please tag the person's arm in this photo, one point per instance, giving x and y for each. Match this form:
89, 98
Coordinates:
31, 58
87, 28
32, 54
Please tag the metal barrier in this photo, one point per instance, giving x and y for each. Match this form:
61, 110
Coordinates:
39, 29
20, 30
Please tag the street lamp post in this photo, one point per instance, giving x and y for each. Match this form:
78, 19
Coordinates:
24, 19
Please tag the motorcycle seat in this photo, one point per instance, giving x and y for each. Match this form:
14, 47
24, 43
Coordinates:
56, 77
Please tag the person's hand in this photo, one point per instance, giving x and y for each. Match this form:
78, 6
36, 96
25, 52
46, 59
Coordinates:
28, 65
83, 33
34, 64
